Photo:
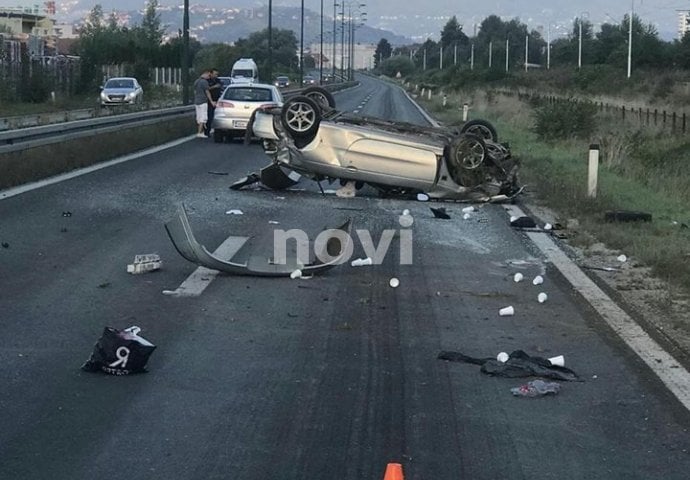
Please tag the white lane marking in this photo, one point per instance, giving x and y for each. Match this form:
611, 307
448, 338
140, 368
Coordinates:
202, 277
672, 373
428, 118
11, 192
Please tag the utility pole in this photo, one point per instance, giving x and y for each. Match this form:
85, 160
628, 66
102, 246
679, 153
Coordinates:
455, 54
301, 47
526, 51
630, 26
548, 47
472, 58
424, 62
579, 44
320, 48
185, 53
342, 39
270, 41
491, 52
507, 53
335, 15
440, 60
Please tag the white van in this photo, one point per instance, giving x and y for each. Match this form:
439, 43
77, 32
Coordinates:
245, 71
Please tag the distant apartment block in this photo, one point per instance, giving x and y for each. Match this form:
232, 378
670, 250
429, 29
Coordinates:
683, 23
363, 58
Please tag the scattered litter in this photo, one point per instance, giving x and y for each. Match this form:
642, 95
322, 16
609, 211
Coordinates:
120, 352
144, 263
406, 212
234, 212
422, 197
538, 280
507, 311
468, 210
603, 269
346, 191
273, 222
66, 214
536, 388
5, 245
523, 222
622, 258
296, 274
394, 282
466, 216
219, 173
517, 278
559, 361
360, 262
542, 297
548, 227
627, 216
502, 357
406, 220
440, 213
519, 364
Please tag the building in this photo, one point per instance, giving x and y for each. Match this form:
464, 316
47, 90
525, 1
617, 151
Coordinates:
34, 30
683, 23
363, 55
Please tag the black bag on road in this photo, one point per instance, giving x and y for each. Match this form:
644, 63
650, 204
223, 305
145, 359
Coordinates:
120, 352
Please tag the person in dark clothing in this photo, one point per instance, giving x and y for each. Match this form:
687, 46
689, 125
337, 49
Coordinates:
215, 88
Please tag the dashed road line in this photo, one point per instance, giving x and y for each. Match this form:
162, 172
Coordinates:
670, 372
202, 277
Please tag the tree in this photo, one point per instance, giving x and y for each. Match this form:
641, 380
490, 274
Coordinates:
256, 46
151, 24
383, 51
391, 66
452, 34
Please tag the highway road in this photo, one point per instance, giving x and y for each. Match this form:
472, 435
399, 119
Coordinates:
324, 378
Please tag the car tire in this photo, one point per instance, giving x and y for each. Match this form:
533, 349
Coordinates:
467, 152
321, 96
481, 128
301, 117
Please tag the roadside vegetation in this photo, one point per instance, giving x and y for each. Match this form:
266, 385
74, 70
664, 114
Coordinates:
643, 170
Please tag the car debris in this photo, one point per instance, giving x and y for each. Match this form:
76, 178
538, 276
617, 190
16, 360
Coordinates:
440, 213
469, 209
519, 364
542, 297
309, 136
361, 262
234, 212
538, 280
181, 234
507, 311
518, 277
466, 216
120, 352
536, 388
145, 263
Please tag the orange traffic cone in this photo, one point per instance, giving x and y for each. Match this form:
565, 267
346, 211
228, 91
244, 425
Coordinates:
394, 471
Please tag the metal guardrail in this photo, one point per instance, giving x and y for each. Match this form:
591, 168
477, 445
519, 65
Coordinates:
20, 139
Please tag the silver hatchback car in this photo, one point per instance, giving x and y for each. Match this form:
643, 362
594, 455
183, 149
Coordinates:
236, 105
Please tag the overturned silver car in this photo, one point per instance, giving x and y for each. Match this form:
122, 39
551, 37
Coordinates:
309, 136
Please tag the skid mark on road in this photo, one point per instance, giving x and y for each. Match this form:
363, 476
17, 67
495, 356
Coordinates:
202, 277
672, 374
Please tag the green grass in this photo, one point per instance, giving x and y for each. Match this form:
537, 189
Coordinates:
649, 173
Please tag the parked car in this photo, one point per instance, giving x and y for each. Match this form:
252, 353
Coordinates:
310, 137
282, 81
236, 105
308, 80
121, 91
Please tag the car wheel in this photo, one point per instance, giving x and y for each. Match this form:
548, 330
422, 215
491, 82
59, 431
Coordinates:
218, 136
481, 128
467, 152
301, 117
321, 96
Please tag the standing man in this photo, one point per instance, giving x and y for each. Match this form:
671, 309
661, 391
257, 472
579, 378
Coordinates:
202, 96
215, 87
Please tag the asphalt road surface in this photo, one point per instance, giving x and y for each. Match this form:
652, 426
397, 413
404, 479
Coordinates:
324, 378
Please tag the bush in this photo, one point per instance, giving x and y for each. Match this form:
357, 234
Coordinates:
563, 120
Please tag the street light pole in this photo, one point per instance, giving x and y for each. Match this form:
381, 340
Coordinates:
630, 25
185, 53
342, 39
579, 44
270, 41
507, 53
491, 52
548, 47
440, 61
320, 48
526, 51
335, 15
472, 58
301, 47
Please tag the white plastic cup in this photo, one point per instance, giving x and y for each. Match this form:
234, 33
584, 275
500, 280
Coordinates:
538, 280
542, 297
406, 212
558, 361
466, 216
394, 282
296, 274
422, 197
548, 226
517, 278
622, 258
360, 262
507, 311
502, 357
468, 210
